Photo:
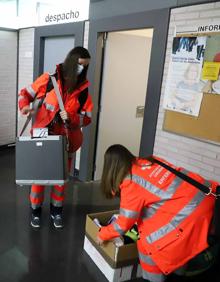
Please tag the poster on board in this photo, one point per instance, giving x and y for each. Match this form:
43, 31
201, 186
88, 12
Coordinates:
211, 67
184, 87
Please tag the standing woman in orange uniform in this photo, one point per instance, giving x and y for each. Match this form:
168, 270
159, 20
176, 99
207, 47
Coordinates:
173, 217
73, 85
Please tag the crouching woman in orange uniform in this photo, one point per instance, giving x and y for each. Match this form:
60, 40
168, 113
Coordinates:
173, 217
73, 86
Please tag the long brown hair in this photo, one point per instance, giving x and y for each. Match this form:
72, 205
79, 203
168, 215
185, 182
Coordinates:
69, 67
118, 161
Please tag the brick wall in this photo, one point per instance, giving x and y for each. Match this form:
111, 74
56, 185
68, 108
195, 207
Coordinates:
198, 156
86, 35
25, 67
8, 73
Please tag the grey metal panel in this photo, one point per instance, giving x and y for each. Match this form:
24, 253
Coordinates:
157, 19
111, 8
71, 29
54, 56
17, 75
192, 2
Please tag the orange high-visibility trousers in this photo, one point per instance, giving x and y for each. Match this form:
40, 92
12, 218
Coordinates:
150, 271
56, 195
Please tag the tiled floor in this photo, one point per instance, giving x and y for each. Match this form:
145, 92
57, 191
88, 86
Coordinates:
48, 255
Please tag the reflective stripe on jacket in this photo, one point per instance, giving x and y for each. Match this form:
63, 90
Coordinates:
48, 110
173, 216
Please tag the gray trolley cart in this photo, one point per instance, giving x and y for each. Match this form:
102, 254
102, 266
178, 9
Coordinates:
42, 161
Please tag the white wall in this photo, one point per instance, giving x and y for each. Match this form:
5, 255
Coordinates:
198, 156
8, 11
25, 67
8, 73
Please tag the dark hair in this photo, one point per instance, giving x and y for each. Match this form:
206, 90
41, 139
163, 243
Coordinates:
118, 161
69, 67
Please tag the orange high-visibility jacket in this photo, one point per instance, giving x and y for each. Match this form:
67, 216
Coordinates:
173, 216
47, 112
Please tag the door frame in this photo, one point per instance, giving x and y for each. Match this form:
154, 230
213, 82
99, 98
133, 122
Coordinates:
159, 21
75, 29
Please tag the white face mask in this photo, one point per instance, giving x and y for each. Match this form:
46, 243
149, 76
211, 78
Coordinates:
79, 69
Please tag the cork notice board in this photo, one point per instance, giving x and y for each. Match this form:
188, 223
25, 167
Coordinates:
206, 126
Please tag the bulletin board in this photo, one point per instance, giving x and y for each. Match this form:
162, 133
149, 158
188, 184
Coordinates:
205, 126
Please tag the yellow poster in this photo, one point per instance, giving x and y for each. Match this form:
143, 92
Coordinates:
210, 70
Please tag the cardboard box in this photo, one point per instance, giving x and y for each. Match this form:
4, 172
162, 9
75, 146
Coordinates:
115, 256
119, 274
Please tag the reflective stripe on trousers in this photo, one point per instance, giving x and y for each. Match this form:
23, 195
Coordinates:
56, 195
37, 195
150, 271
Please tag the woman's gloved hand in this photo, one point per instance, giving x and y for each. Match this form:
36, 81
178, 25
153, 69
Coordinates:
26, 110
99, 241
64, 115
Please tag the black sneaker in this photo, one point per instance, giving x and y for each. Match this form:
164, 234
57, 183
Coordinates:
57, 220
35, 221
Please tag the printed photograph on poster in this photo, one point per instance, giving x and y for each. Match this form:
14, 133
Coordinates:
184, 87
211, 67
